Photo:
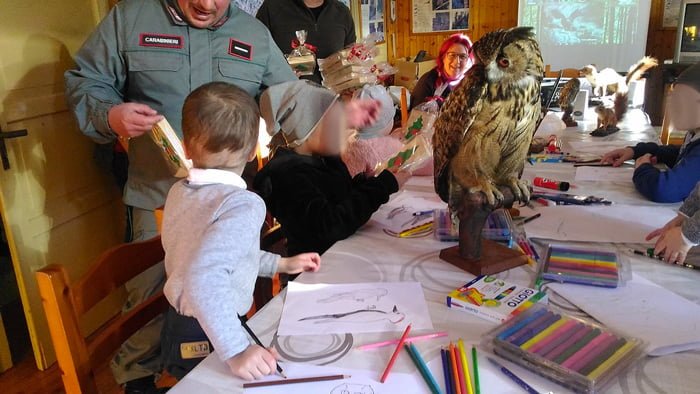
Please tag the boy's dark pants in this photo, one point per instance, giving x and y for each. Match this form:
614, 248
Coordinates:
183, 343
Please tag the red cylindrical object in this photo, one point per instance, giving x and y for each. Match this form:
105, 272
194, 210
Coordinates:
551, 184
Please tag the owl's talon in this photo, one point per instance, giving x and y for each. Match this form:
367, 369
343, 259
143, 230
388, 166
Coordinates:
520, 189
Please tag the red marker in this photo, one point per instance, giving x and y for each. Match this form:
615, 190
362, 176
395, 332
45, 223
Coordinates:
551, 184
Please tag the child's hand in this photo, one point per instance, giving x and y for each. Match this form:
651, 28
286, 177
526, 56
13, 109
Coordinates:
402, 177
362, 112
675, 222
646, 159
618, 156
305, 262
671, 246
254, 363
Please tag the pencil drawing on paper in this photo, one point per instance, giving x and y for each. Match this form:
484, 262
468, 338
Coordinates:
353, 388
366, 315
357, 295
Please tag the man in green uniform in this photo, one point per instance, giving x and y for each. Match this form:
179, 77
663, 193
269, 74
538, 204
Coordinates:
137, 67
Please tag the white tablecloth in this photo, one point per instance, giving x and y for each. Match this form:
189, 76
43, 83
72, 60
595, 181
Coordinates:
370, 255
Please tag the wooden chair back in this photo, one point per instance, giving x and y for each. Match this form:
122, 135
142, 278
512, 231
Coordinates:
65, 302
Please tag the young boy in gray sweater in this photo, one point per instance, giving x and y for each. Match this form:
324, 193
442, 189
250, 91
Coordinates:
681, 233
211, 237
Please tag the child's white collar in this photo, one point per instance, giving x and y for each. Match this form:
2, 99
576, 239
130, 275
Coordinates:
200, 176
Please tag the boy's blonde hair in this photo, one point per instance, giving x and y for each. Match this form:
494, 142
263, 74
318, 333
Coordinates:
218, 119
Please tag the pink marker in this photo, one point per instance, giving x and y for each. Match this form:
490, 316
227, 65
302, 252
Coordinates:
370, 346
593, 353
577, 357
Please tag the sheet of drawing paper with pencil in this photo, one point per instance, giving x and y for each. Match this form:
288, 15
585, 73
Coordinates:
311, 309
616, 223
404, 212
643, 309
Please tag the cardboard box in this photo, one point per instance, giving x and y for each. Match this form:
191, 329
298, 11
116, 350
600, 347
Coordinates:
410, 72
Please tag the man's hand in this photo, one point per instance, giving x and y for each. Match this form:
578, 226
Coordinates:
253, 363
618, 157
131, 120
305, 262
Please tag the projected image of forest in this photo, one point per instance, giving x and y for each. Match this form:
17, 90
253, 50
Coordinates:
576, 22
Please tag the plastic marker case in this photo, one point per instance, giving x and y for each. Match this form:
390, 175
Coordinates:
498, 227
585, 265
580, 355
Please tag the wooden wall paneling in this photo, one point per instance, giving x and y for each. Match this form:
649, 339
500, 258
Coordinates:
661, 42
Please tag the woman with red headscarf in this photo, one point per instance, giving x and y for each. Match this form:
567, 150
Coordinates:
453, 61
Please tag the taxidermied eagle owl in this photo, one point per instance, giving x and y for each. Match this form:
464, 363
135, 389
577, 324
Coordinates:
486, 125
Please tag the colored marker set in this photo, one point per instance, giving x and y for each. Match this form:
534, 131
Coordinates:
577, 354
580, 265
498, 227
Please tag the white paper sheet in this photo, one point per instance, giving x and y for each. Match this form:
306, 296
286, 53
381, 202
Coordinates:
597, 147
605, 174
616, 223
641, 309
397, 214
315, 309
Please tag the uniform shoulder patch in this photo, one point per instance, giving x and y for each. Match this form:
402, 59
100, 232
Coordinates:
161, 40
240, 49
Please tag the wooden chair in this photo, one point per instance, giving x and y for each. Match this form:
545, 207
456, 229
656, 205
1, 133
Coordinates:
65, 302
565, 73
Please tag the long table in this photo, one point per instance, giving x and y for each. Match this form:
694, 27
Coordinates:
372, 256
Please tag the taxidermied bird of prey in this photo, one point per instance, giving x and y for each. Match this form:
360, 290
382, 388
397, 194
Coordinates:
486, 125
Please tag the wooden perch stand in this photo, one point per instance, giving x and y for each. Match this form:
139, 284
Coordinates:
474, 254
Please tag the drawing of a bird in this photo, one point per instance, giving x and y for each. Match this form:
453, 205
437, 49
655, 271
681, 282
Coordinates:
486, 125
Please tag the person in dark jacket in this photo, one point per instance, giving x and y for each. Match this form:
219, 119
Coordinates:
453, 61
675, 184
328, 24
305, 185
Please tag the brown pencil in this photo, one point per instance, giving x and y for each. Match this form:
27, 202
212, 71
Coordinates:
294, 381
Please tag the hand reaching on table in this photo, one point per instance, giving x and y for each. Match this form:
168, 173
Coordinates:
675, 222
618, 157
305, 262
671, 246
254, 363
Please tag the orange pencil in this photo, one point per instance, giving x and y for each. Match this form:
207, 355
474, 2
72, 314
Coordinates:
396, 353
460, 367
455, 370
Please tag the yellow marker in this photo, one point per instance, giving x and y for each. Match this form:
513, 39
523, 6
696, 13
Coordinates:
605, 366
465, 366
530, 261
543, 334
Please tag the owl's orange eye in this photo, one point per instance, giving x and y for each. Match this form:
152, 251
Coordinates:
503, 62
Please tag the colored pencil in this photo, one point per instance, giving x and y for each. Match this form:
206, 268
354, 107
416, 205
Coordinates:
460, 368
446, 371
475, 363
528, 328
450, 388
465, 366
537, 329
576, 357
257, 342
395, 354
593, 352
455, 370
295, 381
376, 345
513, 377
422, 367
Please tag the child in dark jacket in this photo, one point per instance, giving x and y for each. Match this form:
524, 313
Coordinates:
305, 185
675, 184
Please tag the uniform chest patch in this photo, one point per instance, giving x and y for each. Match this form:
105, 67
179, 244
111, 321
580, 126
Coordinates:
160, 40
240, 49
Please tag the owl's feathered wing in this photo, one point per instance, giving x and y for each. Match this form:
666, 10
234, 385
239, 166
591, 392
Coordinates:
568, 93
457, 115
